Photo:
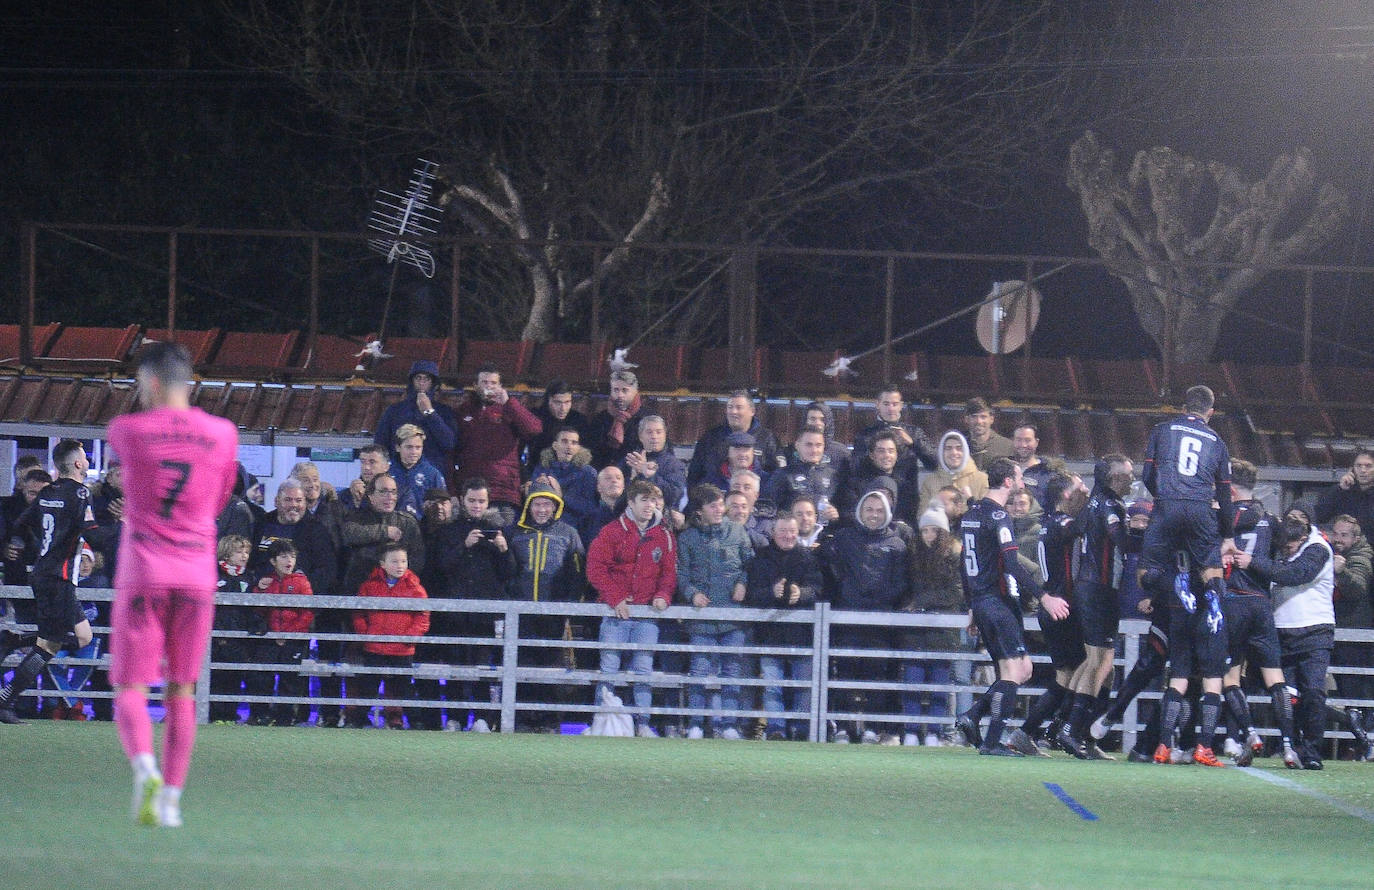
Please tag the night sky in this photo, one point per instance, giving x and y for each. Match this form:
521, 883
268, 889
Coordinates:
1252, 80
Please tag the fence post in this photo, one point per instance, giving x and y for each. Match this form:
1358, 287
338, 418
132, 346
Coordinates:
820, 673
203, 688
1130, 654
510, 657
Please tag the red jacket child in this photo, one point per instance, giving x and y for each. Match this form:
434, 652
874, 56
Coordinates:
410, 624
284, 620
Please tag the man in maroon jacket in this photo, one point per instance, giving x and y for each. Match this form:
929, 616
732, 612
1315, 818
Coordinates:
633, 562
491, 428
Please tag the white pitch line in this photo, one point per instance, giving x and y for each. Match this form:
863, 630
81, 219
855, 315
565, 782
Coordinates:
1283, 782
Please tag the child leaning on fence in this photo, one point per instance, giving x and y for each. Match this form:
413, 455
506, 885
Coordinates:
392, 577
282, 579
633, 562
233, 552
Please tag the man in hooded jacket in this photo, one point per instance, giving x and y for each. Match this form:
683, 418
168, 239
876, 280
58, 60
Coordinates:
421, 406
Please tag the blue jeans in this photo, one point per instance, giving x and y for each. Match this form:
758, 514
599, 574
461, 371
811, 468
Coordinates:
638, 632
925, 672
785, 667
716, 664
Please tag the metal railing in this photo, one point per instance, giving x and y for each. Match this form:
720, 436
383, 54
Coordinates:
515, 685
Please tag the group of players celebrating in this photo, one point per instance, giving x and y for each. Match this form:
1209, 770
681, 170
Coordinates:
1213, 603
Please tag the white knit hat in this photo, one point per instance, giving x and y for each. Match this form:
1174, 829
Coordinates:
934, 515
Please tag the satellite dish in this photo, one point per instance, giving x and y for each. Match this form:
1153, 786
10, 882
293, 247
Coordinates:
1007, 319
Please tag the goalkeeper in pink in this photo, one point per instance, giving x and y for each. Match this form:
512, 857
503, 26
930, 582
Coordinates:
178, 472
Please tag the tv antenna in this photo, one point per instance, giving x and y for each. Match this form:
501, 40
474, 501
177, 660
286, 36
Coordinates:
403, 224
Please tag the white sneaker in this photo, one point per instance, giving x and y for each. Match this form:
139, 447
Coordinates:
144, 807
168, 807
646, 731
933, 741
841, 737
1231, 747
910, 740
453, 725
869, 737
730, 734
1099, 728
480, 725
1180, 755
695, 733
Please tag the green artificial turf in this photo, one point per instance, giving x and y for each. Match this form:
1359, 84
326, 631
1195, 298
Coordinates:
301, 808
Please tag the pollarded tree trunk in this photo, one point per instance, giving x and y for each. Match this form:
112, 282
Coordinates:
1140, 222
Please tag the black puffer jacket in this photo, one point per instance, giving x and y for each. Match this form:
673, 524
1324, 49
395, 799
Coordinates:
868, 567
796, 566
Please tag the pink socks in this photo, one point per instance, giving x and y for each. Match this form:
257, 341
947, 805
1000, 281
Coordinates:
132, 720
178, 740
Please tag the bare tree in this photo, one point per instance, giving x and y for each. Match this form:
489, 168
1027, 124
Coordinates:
696, 120
1161, 222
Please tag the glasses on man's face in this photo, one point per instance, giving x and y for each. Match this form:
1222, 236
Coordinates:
385, 492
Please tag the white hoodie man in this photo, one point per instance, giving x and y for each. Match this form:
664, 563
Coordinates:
957, 469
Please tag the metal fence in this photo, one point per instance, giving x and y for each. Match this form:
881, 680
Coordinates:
519, 690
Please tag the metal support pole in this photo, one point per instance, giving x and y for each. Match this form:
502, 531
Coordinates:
454, 331
887, 320
171, 284
744, 264
29, 246
1307, 319
1030, 329
314, 331
598, 335
1167, 366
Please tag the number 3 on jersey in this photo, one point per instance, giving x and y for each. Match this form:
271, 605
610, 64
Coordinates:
1189, 449
182, 469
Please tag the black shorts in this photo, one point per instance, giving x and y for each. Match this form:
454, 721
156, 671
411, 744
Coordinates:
1250, 630
1193, 649
1301, 640
1063, 640
1182, 525
58, 609
1099, 614
999, 626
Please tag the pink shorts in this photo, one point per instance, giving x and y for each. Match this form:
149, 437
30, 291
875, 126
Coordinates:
159, 634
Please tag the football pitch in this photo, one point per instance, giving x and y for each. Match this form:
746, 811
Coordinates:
304, 808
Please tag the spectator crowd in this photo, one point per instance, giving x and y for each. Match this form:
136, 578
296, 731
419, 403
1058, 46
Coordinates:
483, 498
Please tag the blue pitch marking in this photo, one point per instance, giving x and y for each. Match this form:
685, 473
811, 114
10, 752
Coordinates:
1083, 812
